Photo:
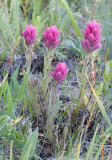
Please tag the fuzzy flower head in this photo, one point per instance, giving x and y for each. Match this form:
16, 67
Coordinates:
29, 34
92, 37
60, 73
51, 36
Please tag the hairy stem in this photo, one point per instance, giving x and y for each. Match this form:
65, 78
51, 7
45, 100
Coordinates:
28, 60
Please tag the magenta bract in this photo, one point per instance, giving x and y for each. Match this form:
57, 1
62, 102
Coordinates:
51, 36
60, 72
29, 34
92, 37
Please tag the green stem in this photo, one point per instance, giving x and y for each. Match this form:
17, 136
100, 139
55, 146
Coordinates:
28, 60
83, 78
47, 62
49, 130
54, 95
50, 119
83, 83
47, 66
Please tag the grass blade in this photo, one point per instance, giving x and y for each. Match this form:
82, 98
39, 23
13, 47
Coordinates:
72, 19
99, 150
92, 144
78, 152
100, 104
10, 103
11, 151
30, 146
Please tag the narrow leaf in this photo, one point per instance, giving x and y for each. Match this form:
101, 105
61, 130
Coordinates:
23, 86
100, 148
91, 144
100, 104
30, 146
78, 152
11, 151
72, 18
10, 103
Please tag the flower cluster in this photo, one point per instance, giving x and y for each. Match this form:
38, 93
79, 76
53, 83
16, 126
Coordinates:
52, 37
60, 72
92, 37
29, 34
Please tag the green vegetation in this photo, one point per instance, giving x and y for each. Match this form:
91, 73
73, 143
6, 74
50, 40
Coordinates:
40, 118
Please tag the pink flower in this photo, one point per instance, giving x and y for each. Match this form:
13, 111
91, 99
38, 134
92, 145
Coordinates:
52, 37
60, 72
29, 34
92, 37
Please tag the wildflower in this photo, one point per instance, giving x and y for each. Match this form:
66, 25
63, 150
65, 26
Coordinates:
52, 37
92, 37
60, 72
29, 34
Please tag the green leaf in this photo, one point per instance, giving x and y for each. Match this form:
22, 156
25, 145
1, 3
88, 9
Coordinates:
100, 148
107, 67
103, 111
23, 86
14, 84
111, 64
69, 44
8, 133
3, 88
72, 18
56, 109
109, 130
91, 144
37, 7
3, 120
14, 76
10, 103
99, 89
4, 112
78, 151
11, 151
15, 16
30, 146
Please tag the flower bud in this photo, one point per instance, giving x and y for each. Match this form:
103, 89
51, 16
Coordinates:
92, 37
60, 72
52, 37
